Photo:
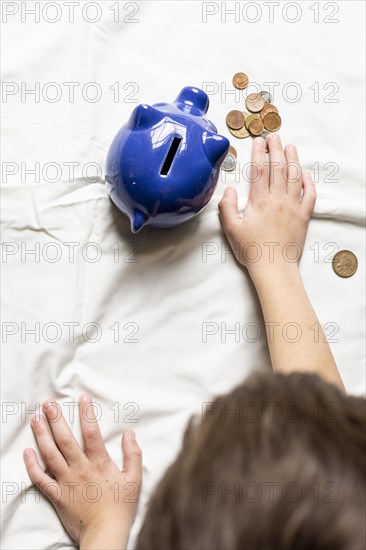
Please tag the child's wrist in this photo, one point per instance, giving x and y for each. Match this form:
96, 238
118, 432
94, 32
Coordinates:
265, 274
106, 535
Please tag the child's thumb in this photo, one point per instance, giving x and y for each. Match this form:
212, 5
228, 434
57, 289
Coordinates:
132, 456
228, 208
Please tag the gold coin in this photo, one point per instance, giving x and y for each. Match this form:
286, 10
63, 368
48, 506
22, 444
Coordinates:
269, 108
254, 103
272, 122
240, 81
232, 150
256, 127
235, 120
345, 263
250, 118
241, 133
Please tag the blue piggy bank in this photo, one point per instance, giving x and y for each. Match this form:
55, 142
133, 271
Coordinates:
163, 165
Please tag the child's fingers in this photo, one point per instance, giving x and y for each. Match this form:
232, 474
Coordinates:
132, 456
294, 172
277, 167
92, 437
60, 429
259, 179
43, 481
229, 213
309, 194
51, 455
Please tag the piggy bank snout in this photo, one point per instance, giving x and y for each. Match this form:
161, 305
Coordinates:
193, 100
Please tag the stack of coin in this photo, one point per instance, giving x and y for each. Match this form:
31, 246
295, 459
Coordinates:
262, 117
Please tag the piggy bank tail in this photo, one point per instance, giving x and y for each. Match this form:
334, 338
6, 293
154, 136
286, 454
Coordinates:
138, 220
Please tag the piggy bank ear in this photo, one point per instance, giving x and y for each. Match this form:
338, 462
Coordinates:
144, 116
215, 146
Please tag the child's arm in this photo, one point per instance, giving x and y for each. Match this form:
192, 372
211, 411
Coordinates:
268, 240
96, 500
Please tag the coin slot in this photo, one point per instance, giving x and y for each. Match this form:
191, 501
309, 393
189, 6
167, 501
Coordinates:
170, 156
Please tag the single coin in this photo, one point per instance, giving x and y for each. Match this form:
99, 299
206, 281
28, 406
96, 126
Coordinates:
235, 120
229, 163
254, 103
249, 119
265, 136
240, 81
272, 122
267, 97
345, 263
268, 108
232, 150
241, 133
256, 127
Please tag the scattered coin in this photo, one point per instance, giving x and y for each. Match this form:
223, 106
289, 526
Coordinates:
241, 133
272, 122
235, 120
240, 81
345, 263
267, 97
249, 119
232, 150
268, 108
256, 127
229, 163
265, 136
255, 103
264, 120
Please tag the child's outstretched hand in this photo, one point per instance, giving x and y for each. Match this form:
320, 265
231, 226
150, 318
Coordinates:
271, 232
95, 500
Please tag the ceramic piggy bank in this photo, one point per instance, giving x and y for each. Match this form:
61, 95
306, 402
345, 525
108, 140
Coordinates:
163, 165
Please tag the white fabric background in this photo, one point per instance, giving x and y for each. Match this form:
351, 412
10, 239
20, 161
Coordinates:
170, 291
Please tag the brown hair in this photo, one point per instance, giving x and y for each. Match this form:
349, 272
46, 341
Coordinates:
278, 463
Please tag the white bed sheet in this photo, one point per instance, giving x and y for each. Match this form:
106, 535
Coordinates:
165, 284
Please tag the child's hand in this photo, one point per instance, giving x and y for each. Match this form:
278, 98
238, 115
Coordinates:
95, 500
271, 233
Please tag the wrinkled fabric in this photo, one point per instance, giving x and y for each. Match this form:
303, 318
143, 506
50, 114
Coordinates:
155, 325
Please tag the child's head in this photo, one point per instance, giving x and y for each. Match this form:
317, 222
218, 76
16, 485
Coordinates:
279, 463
